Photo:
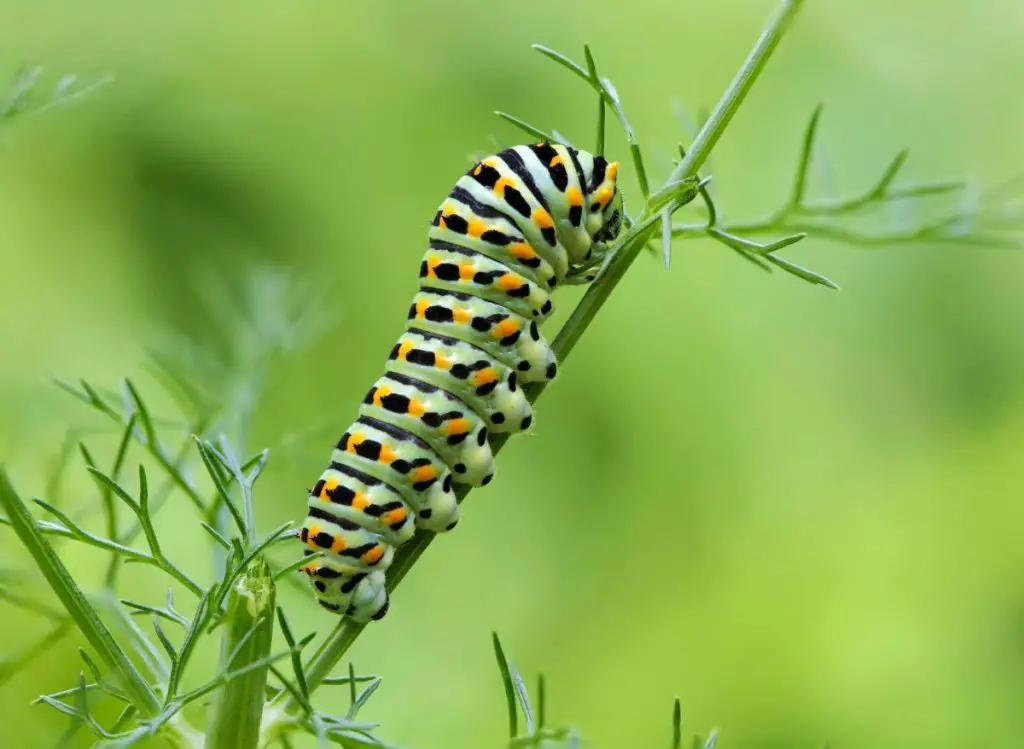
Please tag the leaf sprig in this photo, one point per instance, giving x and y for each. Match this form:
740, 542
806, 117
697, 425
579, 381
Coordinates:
154, 692
992, 220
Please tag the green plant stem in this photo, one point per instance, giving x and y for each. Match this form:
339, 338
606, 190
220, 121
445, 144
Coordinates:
235, 719
346, 632
726, 108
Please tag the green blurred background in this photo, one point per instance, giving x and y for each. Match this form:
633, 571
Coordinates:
814, 534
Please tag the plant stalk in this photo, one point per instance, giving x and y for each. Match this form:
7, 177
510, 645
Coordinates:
238, 711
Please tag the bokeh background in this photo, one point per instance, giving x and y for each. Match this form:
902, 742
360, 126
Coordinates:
800, 511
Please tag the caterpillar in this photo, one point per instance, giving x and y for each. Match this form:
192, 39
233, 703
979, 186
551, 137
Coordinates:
515, 226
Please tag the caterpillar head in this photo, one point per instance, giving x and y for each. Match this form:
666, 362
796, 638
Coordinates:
604, 205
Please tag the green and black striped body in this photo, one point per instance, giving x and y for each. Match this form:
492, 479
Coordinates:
514, 227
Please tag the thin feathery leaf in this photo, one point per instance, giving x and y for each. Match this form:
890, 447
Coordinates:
286, 632
347, 679
169, 615
217, 537
526, 127
806, 155
523, 696
801, 272
541, 702
595, 81
208, 453
562, 60
165, 643
284, 572
188, 645
140, 508
510, 690
364, 697
677, 724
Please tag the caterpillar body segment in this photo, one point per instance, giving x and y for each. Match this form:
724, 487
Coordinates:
513, 340
347, 549
500, 237
466, 372
481, 276
355, 501
471, 208
406, 463
451, 428
513, 228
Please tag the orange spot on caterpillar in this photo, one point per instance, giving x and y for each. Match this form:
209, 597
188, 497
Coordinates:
424, 473
395, 516
432, 263
445, 213
416, 408
542, 218
466, 271
612, 172
510, 282
603, 196
462, 316
476, 228
501, 184
373, 555
329, 486
574, 195
421, 309
506, 328
355, 441
338, 544
555, 161
314, 531
378, 397
485, 376
457, 426
442, 362
404, 349
360, 501
387, 455
522, 251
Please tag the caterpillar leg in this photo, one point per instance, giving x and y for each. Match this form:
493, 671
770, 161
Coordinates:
581, 275
591, 270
